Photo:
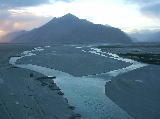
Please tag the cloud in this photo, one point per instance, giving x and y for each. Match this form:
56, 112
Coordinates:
4, 14
21, 21
144, 31
4, 17
140, 1
14, 15
67, 1
149, 8
12, 4
8, 4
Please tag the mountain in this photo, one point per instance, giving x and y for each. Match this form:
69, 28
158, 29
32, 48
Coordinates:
154, 37
71, 29
8, 37
145, 37
107, 25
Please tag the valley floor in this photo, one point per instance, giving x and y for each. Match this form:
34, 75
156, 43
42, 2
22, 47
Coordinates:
24, 95
137, 91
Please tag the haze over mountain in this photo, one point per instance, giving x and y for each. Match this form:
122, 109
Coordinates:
145, 37
154, 37
8, 37
71, 29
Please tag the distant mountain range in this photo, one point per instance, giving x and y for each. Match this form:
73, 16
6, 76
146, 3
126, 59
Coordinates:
145, 37
154, 37
71, 29
8, 37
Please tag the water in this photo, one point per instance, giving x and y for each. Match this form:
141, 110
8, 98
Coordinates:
86, 93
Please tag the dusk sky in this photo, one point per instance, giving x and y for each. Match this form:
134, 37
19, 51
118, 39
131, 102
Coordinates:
128, 15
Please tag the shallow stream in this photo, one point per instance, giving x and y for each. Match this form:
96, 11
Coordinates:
86, 93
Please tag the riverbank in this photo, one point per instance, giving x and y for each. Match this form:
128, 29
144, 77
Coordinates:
137, 91
23, 95
85, 93
81, 73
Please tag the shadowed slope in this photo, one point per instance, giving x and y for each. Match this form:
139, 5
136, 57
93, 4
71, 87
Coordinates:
71, 29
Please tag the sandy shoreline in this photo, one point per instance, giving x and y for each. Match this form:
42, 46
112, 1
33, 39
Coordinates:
137, 91
22, 96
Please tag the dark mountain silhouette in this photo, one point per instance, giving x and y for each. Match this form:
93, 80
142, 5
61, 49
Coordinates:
71, 29
8, 37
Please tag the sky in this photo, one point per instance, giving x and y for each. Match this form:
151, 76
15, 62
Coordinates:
128, 15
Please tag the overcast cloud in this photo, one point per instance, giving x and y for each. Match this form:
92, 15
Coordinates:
12, 22
8, 4
140, 1
150, 8
4, 14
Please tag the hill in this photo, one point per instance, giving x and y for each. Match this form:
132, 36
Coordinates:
71, 29
8, 37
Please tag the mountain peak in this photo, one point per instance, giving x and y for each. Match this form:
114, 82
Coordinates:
69, 16
71, 29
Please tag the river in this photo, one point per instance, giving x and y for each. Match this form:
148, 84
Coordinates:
85, 92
